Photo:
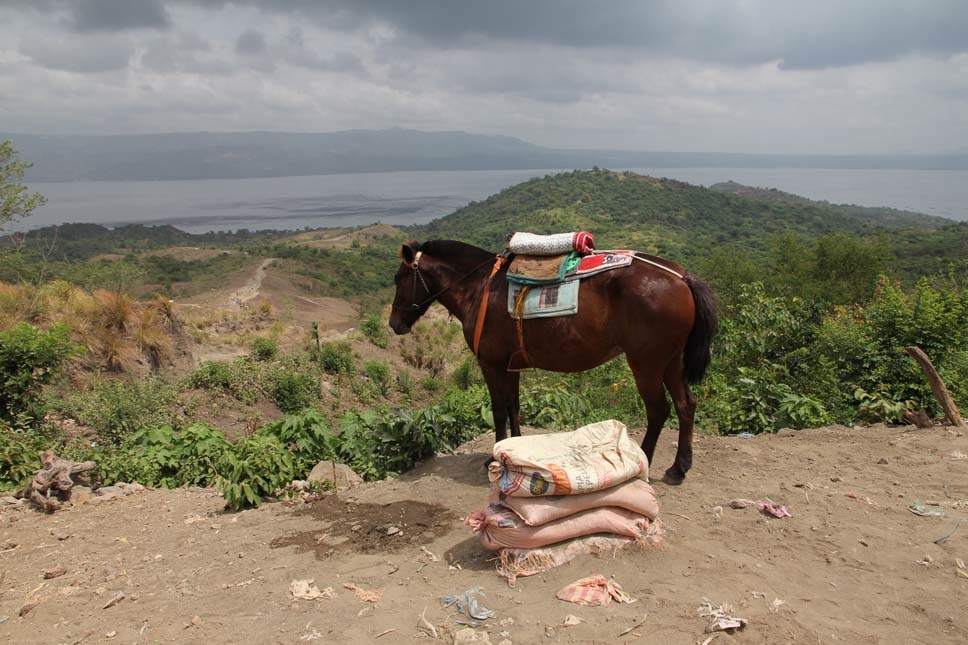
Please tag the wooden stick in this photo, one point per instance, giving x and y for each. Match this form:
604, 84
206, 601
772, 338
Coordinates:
937, 386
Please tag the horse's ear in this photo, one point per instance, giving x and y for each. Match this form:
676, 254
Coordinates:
407, 253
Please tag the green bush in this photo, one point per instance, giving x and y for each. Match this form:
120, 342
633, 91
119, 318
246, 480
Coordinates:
240, 378
375, 329
378, 373
18, 457
252, 468
116, 408
307, 436
264, 348
29, 358
337, 357
292, 391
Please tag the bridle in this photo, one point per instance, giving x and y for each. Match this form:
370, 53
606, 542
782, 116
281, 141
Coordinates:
415, 265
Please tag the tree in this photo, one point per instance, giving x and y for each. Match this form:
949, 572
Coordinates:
15, 201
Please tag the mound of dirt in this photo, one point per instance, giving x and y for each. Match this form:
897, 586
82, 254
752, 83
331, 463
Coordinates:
853, 564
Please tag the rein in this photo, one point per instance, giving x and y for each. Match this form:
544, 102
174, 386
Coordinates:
498, 262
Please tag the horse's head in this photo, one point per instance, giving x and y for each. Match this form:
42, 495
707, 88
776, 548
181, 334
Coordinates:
413, 297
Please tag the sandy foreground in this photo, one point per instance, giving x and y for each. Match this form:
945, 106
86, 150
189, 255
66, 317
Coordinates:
853, 564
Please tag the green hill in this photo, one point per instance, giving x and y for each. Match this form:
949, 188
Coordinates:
879, 215
689, 223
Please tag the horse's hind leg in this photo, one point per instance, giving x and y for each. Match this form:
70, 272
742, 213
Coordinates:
685, 403
649, 384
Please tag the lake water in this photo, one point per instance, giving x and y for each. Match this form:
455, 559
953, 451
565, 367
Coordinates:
417, 197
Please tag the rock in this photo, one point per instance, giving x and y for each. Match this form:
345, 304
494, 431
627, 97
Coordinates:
835, 478
54, 572
299, 485
135, 487
468, 636
111, 492
345, 477
81, 495
882, 461
392, 530
8, 499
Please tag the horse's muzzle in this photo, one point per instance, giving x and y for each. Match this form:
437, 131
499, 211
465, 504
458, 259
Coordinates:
399, 327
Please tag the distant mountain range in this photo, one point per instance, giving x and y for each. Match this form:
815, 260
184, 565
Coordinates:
210, 155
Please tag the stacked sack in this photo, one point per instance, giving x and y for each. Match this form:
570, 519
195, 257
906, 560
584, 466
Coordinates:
557, 495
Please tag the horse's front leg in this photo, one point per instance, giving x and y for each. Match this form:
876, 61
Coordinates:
500, 400
514, 402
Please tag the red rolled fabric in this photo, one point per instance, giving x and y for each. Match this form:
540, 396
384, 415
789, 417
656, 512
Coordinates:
584, 242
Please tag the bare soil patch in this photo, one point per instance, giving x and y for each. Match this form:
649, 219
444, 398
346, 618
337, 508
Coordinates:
853, 564
342, 525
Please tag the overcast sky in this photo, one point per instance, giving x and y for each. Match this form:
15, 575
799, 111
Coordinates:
792, 76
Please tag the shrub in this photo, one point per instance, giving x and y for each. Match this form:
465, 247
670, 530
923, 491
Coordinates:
117, 407
264, 348
18, 458
252, 468
375, 329
379, 374
336, 357
241, 378
307, 436
292, 391
29, 358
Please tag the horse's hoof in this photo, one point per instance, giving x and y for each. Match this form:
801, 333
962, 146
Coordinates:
673, 477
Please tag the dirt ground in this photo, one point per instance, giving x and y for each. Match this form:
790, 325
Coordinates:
853, 564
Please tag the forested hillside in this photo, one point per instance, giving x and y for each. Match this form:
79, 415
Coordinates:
252, 334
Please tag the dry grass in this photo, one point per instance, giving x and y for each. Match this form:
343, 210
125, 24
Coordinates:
120, 334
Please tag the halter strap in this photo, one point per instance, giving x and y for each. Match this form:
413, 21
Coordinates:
482, 311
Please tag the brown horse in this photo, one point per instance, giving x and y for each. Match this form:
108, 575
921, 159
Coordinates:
663, 322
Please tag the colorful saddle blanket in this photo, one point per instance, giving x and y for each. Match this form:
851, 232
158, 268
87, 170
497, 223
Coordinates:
541, 270
543, 287
543, 301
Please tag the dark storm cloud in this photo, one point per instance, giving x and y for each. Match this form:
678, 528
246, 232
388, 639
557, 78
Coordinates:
802, 34
117, 15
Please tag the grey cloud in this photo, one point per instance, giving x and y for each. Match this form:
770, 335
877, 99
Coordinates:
79, 54
117, 15
251, 42
802, 34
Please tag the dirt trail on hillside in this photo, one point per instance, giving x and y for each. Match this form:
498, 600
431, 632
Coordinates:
250, 289
853, 564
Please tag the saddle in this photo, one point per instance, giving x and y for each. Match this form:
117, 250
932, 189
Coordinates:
544, 273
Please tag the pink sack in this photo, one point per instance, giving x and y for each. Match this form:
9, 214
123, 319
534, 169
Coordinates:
500, 527
634, 495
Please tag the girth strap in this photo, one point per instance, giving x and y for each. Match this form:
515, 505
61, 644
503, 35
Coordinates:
482, 312
519, 322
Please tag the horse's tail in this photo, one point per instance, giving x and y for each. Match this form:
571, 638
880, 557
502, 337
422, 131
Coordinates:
697, 352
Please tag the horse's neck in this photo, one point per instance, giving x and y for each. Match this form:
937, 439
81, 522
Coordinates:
461, 293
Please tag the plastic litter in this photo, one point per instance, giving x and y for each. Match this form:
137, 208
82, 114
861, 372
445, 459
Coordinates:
924, 510
307, 590
468, 604
594, 591
772, 508
723, 620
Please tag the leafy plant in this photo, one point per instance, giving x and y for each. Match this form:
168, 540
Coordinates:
252, 468
29, 358
337, 357
375, 329
264, 348
378, 373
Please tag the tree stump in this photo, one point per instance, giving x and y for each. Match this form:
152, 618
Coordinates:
56, 477
937, 386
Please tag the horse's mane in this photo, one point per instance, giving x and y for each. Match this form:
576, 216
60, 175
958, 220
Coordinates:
456, 253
